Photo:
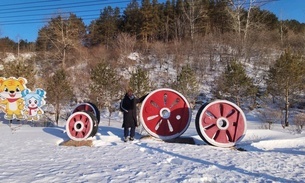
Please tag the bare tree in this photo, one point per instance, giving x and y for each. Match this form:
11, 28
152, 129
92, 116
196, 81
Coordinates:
59, 91
61, 35
241, 12
299, 120
270, 116
193, 11
125, 43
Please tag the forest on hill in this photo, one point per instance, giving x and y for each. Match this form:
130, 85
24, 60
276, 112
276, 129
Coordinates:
242, 53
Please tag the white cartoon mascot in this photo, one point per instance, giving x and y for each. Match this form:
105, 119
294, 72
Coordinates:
33, 103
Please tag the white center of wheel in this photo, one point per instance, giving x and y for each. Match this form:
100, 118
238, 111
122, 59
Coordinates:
165, 113
222, 123
78, 126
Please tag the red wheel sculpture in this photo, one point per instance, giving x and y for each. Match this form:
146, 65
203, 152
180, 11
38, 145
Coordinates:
83, 122
221, 123
165, 114
80, 125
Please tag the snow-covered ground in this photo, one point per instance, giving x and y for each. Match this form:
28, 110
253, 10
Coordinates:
33, 154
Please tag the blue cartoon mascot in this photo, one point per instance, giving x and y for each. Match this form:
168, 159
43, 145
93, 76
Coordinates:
33, 103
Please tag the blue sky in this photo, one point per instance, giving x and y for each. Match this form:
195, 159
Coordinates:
22, 19
287, 9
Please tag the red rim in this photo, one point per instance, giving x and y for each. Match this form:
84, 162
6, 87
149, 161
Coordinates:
221, 123
79, 126
165, 114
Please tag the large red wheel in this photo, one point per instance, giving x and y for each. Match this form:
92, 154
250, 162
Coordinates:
221, 123
81, 125
165, 114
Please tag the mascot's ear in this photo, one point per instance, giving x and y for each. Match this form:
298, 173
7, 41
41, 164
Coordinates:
22, 80
2, 79
25, 92
40, 92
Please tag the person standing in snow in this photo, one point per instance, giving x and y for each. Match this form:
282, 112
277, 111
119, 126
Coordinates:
129, 108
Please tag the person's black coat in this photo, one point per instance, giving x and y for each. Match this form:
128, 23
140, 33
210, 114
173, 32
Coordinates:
129, 108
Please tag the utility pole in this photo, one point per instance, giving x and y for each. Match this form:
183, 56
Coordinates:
18, 49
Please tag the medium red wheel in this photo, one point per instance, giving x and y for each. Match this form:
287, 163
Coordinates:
165, 114
221, 123
80, 126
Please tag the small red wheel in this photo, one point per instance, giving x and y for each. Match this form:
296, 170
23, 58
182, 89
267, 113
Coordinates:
80, 125
165, 114
221, 123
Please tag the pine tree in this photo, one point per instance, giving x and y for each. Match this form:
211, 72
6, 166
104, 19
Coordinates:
20, 68
150, 20
105, 29
186, 82
139, 82
234, 84
131, 19
104, 87
285, 78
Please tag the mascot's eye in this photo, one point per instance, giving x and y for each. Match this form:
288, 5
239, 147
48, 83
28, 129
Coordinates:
6, 90
30, 101
17, 90
35, 101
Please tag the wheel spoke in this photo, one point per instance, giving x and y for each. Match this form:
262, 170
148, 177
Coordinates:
170, 127
152, 117
228, 110
215, 110
221, 136
158, 125
211, 131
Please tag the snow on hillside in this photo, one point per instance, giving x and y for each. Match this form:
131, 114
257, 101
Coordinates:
9, 57
33, 154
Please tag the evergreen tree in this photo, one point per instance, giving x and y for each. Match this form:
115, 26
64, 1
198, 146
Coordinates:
150, 20
105, 29
7, 45
20, 68
186, 82
167, 21
131, 19
180, 20
219, 20
285, 78
139, 82
234, 84
105, 86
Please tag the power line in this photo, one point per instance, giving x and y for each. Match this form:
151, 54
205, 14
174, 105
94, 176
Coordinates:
21, 19
39, 20
45, 14
60, 6
75, 5
32, 2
